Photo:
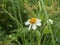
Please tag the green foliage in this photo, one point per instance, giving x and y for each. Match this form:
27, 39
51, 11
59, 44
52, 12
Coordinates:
14, 14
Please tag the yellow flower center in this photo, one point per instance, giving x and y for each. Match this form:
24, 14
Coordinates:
33, 20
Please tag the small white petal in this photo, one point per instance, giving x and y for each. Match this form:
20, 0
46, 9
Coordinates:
50, 21
27, 23
38, 24
29, 26
34, 27
10, 35
38, 20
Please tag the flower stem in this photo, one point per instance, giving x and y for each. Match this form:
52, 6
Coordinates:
47, 17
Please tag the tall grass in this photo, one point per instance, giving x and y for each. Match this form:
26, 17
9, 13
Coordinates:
19, 11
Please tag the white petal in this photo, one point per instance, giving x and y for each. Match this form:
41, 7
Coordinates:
27, 23
38, 20
50, 21
34, 27
29, 26
38, 24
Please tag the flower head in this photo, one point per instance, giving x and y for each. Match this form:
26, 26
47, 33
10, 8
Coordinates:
10, 35
50, 21
33, 22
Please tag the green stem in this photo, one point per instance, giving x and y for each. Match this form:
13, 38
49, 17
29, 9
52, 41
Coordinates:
43, 6
38, 35
14, 9
39, 5
18, 42
52, 35
47, 17
14, 19
20, 17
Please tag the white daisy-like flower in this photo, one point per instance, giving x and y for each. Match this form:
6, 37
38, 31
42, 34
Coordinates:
33, 23
50, 21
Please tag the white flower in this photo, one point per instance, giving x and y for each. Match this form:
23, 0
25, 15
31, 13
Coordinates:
33, 22
10, 35
50, 21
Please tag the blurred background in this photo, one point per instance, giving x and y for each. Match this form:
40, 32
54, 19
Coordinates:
13, 14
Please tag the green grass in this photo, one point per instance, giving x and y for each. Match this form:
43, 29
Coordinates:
14, 14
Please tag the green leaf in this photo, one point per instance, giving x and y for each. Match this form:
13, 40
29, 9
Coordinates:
46, 30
